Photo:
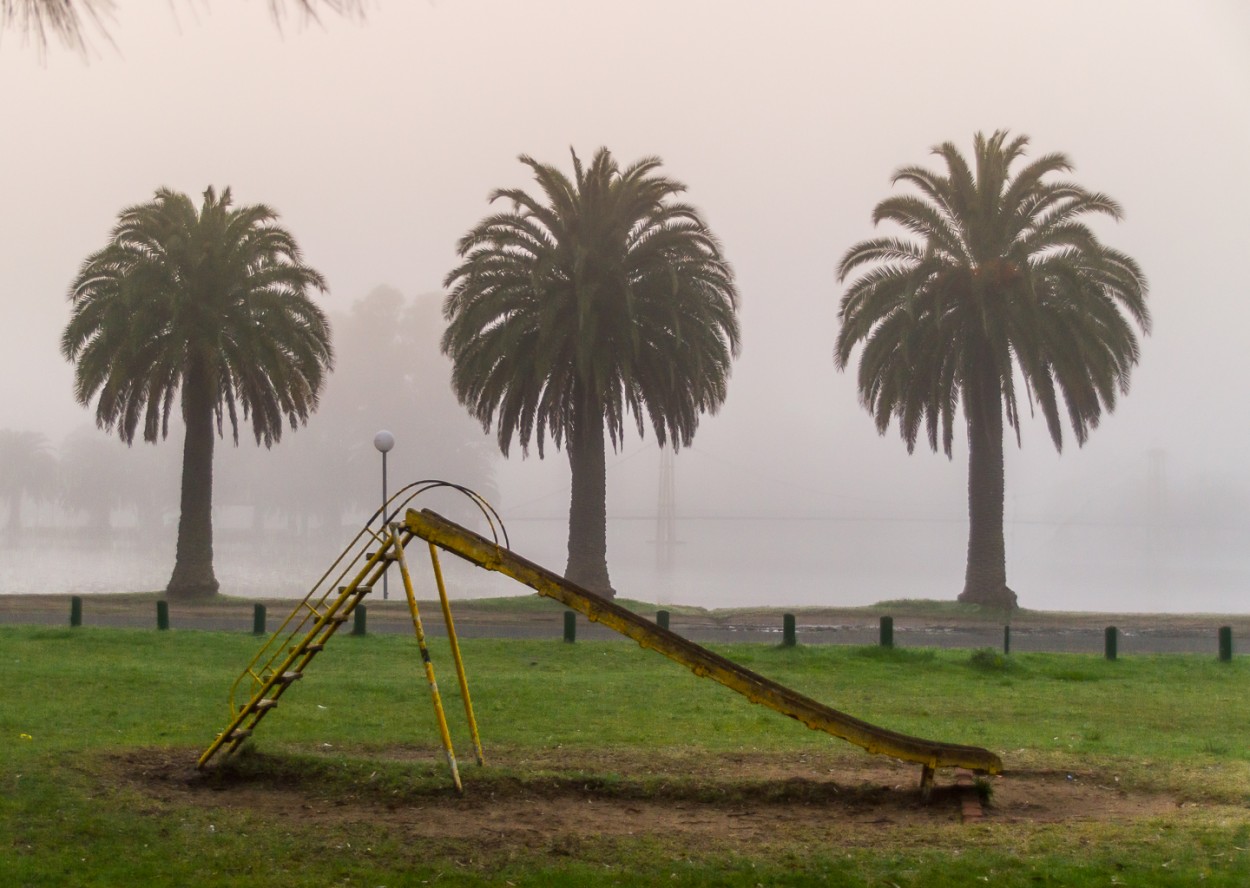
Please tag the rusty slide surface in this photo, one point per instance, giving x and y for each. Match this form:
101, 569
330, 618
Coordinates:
434, 528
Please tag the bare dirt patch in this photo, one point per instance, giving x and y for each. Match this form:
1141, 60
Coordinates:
558, 799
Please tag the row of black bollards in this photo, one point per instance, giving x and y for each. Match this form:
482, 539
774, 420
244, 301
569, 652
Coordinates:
1111, 643
75, 612
885, 637
789, 636
788, 628
359, 626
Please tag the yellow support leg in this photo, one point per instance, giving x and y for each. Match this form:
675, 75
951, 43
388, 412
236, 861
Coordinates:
455, 653
926, 782
425, 658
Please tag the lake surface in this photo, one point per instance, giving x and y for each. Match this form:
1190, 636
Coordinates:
722, 562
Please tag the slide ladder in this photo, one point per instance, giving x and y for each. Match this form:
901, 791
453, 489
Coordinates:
930, 754
284, 658
287, 654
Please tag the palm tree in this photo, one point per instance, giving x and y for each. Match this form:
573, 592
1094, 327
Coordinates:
96, 478
208, 307
1004, 282
603, 298
28, 468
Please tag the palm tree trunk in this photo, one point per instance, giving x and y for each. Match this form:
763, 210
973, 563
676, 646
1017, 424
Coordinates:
985, 581
193, 564
588, 506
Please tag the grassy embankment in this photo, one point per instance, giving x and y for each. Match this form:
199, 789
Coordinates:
81, 710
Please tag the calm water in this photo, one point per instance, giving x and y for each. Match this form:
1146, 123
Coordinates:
730, 563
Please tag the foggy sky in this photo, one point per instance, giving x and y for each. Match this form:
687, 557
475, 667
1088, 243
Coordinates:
378, 143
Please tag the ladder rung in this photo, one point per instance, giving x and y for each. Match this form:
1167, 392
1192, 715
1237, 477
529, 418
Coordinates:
329, 612
360, 591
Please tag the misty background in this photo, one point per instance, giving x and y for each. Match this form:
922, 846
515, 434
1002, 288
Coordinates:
378, 142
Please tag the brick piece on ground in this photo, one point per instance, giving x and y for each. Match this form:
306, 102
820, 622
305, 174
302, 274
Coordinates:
970, 808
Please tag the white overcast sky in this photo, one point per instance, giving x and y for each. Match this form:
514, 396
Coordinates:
378, 142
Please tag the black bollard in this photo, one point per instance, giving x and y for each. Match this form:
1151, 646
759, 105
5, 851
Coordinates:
570, 627
258, 619
75, 611
162, 615
1226, 644
661, 619
887, 632
361, 614
787, 631
1006, 640
1110, 642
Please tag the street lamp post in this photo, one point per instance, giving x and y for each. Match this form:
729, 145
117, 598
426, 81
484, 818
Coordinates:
384, 441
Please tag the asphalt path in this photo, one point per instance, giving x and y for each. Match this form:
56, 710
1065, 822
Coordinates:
1136, 634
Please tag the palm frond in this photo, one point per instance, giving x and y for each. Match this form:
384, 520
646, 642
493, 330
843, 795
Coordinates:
600, 292
72, 21
219, 288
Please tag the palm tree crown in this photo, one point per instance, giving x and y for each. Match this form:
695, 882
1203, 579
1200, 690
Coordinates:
1003, 282
604, 298
208, 308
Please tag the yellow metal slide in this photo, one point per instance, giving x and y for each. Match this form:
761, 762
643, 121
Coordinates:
931, 754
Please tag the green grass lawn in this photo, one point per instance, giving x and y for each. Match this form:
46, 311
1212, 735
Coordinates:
79, 707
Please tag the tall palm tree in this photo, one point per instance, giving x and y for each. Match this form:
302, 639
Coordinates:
1003, 283
602, 298
28, 469
209, 307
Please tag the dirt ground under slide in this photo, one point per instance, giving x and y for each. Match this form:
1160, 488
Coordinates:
558, 799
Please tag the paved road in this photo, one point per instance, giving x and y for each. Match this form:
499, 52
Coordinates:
1140, 639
